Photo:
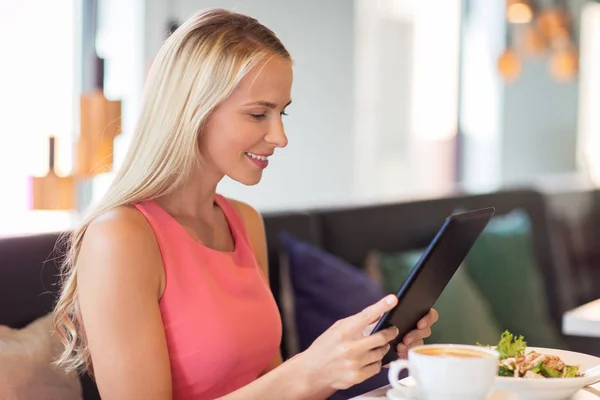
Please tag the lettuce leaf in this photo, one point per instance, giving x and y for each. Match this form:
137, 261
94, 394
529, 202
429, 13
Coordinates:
572, 371
511, 345
549, 372
505, 371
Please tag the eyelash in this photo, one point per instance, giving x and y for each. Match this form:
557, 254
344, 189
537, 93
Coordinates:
262, 116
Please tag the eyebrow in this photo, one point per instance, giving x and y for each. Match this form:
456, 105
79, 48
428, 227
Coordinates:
266, 104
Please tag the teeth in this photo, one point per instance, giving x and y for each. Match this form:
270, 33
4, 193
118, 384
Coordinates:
262, 158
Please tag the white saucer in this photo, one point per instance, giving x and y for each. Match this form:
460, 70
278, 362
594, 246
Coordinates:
410, 384
393, 394
497, 394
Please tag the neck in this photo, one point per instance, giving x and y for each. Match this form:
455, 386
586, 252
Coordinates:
194, 199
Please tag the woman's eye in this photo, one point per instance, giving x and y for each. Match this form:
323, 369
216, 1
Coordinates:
258, 116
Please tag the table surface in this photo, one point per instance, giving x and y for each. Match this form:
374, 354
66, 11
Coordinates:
583, 320
589, 393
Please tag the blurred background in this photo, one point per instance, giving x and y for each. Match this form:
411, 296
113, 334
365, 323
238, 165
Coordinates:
393, 99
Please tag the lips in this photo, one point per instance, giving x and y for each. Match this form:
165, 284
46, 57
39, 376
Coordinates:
261, 157
260, 160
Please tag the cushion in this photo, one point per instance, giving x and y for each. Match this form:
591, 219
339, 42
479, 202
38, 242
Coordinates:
326, 289
287, 307
503, 265
465, 316
26, 371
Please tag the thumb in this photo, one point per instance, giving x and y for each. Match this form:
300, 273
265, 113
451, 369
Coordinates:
371, 314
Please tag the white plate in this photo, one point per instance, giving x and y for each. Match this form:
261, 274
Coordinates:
552, 388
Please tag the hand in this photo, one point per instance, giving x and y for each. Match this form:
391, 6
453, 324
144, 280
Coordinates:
344, 356
415, 338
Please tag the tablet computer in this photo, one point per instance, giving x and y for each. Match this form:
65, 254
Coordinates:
432, 272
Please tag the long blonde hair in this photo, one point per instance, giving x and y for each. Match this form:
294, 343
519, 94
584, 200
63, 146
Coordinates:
197, 67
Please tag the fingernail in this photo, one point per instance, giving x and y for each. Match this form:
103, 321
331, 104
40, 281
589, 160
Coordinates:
408, 339
396, 331
422, 324
390, 300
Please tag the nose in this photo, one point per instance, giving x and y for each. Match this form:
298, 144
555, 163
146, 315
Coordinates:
276, 134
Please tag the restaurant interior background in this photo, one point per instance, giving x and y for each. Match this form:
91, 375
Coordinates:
392, 99
403, 111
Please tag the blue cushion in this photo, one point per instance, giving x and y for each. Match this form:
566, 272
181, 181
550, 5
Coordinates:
327, 289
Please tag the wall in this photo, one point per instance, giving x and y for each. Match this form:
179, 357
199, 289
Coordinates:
406, 97
540, 125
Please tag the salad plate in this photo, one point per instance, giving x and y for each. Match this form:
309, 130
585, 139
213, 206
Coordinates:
537, 373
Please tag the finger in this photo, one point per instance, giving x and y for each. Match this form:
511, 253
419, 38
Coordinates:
374, 355
416, 335
372, 313
370, 370
402, 348
430, 319
379, 339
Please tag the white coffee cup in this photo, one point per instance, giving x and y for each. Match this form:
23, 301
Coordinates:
447, 372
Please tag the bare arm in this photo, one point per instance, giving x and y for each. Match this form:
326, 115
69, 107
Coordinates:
290, 380
119, 275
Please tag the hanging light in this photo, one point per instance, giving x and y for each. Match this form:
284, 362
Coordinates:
519, 12
561, 38
531, 42
552, 22
509, 65
564, 64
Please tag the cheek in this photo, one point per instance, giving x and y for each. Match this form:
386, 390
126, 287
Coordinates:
241, 138
231, 137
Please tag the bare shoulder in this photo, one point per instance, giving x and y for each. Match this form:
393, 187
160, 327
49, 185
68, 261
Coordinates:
252, 218
121, 236
120, 220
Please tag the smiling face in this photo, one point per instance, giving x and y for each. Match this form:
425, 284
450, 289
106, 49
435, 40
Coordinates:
246, 128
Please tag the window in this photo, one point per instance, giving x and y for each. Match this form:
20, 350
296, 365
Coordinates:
38, 76
589, 92
406, 85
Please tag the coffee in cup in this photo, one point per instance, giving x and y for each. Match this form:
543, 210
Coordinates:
447, 372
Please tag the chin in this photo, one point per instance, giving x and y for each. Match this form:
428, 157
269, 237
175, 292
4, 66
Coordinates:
248, 180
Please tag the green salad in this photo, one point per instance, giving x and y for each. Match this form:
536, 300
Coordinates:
517, 362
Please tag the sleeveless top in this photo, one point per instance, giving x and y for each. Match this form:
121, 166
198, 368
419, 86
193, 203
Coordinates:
221, 321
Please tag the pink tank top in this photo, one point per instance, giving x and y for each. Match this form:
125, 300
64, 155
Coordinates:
221, 321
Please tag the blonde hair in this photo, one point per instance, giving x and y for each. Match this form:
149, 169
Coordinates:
197, 67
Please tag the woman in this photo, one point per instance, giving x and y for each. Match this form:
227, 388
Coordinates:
166, 292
